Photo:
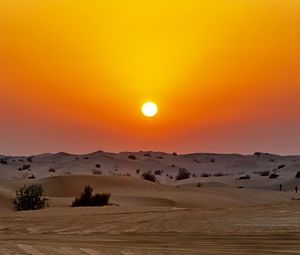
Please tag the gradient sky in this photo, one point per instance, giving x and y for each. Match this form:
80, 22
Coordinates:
225, 75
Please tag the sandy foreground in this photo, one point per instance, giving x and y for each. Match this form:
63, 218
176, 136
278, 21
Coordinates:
148, 218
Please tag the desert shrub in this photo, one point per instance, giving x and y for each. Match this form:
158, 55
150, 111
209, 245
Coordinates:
160, 157
137, 171
86, 158
3, 161
183, 174
194, 175
265, 173
96, 172
87, 199
274, 176
157, 172
297, 174
257, 154
174, 154
51, 170
199, 185
133, 157
31, 177
205, 175
98, 165
173, 165
30, 198
24, 167
245, 177
219, 174
212, 160
149, 176
30, 159
147, 155
281, 166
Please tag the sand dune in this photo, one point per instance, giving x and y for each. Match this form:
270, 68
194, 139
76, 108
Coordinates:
223, 215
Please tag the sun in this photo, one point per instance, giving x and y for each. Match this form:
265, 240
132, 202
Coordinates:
149, 109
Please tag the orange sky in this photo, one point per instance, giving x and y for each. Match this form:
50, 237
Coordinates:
225, 75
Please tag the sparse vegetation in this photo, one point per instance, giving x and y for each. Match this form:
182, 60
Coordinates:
183, 174
96, 172
137, 171
51, 170
199, 185
219, 175
274, 176
98, 166
205, 175
245, 177
147, 155
133, 157
3, 161
297, 174
30, 159
174, 154
157, 172
281, 166
87, 199
257, 154
24, 167
149, 176
31, 177
30, 198
265, 173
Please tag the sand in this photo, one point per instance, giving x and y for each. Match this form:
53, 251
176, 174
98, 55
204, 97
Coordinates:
170, 217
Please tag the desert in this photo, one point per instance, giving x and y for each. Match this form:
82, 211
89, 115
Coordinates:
220, 214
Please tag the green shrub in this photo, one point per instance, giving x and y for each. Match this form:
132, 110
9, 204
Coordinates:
30, 198
87, 199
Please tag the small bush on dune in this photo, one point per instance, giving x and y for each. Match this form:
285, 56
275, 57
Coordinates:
133, 157
245, 177
149, 176
96, 172
297, 174
183, 174
51, 170
87, 199
274, 176
157, 172
30, 198
219, 175
265, 173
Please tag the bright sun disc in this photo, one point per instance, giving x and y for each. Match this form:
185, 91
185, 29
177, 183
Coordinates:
149, 109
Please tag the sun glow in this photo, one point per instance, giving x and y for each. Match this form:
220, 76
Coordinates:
149, 109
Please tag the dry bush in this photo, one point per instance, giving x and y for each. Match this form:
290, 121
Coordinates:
30, 198
183, 174
87, 199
